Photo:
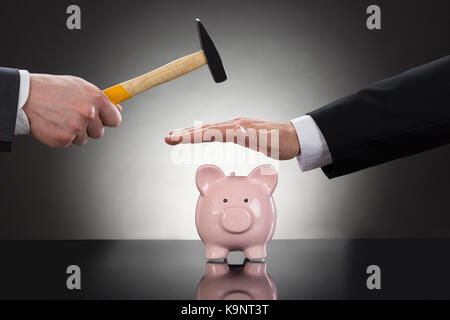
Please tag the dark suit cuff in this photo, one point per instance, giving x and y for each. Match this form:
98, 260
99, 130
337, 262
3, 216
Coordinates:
9, 95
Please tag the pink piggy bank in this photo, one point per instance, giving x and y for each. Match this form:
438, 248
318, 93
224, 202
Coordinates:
236, 212
233, 282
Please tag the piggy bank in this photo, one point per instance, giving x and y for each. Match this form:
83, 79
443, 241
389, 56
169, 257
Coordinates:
236, 212
236, 282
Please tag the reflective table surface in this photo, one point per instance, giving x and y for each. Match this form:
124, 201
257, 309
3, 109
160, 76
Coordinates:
177, 269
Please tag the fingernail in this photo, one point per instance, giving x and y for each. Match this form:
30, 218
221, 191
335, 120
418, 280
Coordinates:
172, 139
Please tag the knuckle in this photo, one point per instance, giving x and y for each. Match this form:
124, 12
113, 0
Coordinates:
76, 127
100, 98
64, 140
87, 113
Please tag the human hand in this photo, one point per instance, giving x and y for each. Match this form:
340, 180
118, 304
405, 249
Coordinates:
245, 132
64, 109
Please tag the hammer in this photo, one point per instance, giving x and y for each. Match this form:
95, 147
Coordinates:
208, 55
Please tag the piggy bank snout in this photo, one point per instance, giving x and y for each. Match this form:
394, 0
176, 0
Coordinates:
236, 219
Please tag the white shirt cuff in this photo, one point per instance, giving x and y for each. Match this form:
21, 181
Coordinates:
22, 124
314, 152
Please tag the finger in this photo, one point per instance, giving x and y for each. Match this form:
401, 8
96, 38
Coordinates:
222, 126
191, 136
204, 126
109, 113
172, 140
119, 107
81, 139
188, 129
250, 120
95, 129
196, 134
175, 136
208, 134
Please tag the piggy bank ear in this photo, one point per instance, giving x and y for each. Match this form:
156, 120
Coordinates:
207, 175
267, 175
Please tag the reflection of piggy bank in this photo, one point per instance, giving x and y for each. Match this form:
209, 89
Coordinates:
235, 212
247, 282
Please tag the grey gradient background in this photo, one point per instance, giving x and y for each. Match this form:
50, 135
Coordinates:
283, 59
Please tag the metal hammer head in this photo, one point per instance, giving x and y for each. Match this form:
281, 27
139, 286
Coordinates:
212, 56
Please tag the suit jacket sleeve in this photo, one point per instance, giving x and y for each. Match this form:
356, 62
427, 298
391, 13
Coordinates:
389, 119
9, 95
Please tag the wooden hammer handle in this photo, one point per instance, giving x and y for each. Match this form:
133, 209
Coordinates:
170, 71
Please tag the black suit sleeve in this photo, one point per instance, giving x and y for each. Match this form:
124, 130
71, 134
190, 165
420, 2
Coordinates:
9, 95
389, 119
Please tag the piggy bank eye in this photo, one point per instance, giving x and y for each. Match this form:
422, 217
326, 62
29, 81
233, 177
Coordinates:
225, 200
245, 200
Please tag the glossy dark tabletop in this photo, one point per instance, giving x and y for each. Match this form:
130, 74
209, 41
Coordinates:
174, 269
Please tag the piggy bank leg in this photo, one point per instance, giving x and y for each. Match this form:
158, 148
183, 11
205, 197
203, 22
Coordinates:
256, 253
215, 253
